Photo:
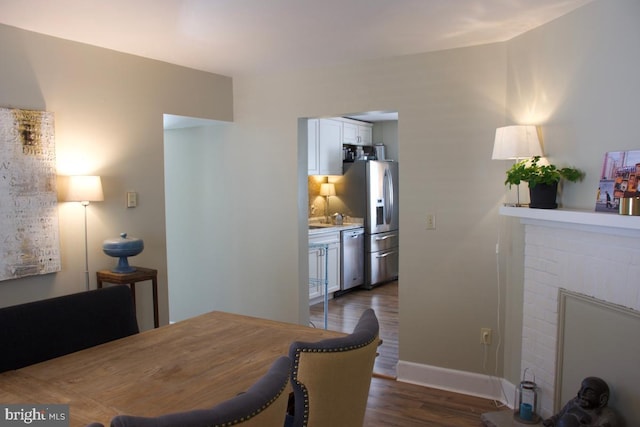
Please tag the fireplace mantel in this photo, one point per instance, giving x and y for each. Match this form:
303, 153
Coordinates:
588, 253
583, 220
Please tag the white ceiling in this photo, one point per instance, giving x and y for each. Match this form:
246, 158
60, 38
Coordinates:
235, 37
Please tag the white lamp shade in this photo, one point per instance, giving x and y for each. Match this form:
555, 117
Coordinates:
327, 189
83, 188
516, 142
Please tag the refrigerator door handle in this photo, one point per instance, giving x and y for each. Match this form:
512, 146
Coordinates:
387, 183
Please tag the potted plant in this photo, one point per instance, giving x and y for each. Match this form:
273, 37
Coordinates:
542, 179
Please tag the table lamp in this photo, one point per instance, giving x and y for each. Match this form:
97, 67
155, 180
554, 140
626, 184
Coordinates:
516, 142
327, 190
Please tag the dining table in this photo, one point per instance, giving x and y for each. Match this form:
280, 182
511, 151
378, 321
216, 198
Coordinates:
191, 364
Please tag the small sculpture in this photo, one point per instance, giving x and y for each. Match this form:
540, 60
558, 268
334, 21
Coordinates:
588, 409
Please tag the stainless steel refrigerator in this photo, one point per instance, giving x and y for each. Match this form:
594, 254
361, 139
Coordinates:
369, 190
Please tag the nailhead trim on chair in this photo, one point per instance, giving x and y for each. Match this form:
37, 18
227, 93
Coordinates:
296, 364
256, 412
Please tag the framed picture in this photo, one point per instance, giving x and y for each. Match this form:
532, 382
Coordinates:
619, 178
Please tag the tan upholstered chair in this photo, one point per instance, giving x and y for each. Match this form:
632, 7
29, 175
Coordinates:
264, 404
331, 378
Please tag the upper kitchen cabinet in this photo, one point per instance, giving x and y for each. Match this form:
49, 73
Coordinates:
365, 134
356, 133
313, 141
325, 147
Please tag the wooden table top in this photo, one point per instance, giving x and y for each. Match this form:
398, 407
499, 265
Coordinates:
195, 363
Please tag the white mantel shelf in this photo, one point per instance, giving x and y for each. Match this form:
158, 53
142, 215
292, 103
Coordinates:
577, 219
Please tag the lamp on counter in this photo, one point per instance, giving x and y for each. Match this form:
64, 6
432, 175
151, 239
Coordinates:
327, 190
516, 142
85, 189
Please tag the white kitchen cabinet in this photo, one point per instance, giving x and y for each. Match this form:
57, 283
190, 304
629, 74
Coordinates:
325, 139
330, 147
356, 133
349, 133
317, 265
365, 132
313, 141
324, 147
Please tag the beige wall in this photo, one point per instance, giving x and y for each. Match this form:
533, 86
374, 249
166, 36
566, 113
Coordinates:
108, 121
576, 78
581, 68
449, 104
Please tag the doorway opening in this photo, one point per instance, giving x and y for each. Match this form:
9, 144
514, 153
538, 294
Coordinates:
330, 203
190, 152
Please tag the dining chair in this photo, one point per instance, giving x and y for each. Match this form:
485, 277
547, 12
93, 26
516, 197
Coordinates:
264, 404
331, 377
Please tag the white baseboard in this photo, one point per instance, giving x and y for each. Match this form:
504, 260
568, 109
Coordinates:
485, 386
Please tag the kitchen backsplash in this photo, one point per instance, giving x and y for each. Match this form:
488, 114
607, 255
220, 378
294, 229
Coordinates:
317, 202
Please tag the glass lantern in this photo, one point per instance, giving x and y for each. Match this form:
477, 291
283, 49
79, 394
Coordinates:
525, 409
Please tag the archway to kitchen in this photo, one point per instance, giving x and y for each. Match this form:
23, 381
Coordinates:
346, 302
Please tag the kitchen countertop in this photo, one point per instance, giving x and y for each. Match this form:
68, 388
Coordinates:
330, 228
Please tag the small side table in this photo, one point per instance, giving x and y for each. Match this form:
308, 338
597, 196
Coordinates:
140, 275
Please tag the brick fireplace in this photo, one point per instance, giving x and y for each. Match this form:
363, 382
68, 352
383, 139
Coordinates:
575, 251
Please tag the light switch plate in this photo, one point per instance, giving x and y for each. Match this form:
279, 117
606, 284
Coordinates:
431, 222
132, 199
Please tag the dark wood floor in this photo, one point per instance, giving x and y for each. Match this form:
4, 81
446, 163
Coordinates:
392, 403
345, 311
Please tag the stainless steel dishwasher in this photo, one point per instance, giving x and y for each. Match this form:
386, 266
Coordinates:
352, 262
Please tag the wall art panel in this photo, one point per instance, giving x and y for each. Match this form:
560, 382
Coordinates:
29, 235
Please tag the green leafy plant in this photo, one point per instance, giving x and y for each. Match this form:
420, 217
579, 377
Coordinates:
530, 171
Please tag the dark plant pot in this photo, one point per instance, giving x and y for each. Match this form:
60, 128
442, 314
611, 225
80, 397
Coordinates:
543, 196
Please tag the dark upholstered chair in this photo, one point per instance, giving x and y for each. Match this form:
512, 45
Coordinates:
331, 378
263, 405
41, 330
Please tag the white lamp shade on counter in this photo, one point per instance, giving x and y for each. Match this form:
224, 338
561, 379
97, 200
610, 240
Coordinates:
327, 189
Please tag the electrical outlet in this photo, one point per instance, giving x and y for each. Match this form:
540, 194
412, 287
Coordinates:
431, 222
485, 336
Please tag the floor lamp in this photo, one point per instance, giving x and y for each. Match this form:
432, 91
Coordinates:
85, 189
516, 142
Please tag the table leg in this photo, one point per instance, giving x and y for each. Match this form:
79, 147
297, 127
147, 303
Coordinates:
139, 277
156, 321
132, 285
